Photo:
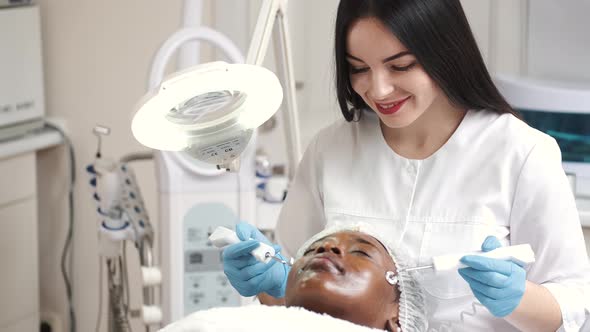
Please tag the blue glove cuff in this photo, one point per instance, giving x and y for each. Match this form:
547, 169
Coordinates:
279, 292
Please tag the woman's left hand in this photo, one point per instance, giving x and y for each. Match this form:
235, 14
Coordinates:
499, 285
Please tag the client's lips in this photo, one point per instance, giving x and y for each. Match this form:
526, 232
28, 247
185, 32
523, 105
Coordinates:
324, 263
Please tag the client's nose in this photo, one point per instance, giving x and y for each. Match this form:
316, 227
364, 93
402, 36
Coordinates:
329, 247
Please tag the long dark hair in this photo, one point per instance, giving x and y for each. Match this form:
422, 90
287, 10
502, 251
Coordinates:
437, 33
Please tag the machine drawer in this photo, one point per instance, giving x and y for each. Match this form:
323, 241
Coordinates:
19, 280
29, 323
19, 178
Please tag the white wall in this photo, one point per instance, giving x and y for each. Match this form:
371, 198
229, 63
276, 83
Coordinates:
563, 52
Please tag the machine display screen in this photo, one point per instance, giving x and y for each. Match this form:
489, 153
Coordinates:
202, 260
195, 258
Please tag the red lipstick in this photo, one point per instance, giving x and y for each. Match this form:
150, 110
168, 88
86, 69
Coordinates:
388, 109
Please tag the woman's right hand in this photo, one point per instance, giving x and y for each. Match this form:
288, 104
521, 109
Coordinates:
247, 275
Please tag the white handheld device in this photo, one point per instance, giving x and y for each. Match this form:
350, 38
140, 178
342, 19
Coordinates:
521, 254
222, 237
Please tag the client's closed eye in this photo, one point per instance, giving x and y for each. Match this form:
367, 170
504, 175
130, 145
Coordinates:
360, 252
308, 251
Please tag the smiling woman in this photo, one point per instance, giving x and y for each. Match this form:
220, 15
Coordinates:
348, 272
430, 153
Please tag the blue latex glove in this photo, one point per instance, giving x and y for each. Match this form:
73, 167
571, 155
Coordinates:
498, 285
249, 276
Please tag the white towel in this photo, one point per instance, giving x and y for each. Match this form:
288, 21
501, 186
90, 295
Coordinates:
261, 318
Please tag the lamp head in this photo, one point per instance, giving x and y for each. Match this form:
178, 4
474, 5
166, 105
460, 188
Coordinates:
208, 111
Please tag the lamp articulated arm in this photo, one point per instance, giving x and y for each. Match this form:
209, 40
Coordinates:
271, 12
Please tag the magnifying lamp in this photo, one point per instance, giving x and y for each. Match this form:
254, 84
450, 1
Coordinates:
208, 111
211, 110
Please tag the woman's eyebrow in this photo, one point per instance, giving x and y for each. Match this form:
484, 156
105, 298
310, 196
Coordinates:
393, 57
399, 55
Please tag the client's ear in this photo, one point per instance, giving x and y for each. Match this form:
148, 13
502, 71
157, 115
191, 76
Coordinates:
392, 326
392, 322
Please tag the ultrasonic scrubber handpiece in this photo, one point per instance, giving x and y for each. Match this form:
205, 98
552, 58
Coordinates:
521, 254
222, 237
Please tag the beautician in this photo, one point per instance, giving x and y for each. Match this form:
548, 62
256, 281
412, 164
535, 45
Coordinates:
433, 156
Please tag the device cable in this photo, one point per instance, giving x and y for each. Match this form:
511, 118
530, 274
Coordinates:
70, 231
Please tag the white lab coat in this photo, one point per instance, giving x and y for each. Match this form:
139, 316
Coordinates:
495, 176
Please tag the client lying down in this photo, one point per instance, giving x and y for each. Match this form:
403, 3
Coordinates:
344, 277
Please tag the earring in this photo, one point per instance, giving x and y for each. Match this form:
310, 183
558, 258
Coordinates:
391, 278
356, 114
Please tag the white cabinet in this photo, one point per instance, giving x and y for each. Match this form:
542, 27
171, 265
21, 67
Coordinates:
19, 249
19, 281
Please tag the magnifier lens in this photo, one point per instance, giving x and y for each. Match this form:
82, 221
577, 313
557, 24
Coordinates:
206, 107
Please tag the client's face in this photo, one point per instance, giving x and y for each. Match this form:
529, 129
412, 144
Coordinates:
343, 275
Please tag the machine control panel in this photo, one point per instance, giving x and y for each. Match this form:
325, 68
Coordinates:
205, 284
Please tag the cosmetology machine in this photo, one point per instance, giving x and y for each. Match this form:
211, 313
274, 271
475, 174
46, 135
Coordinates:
21, 86
123, 219
203, 122
561, 110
